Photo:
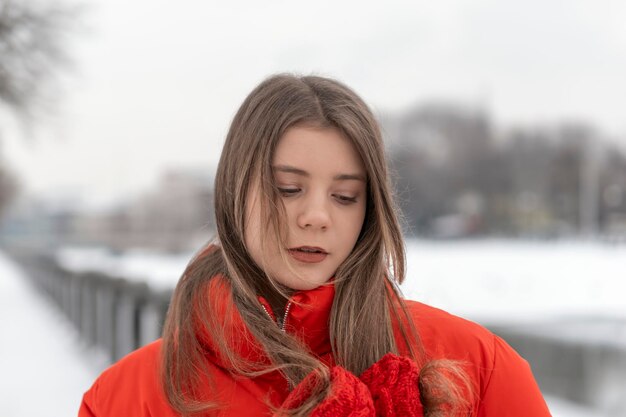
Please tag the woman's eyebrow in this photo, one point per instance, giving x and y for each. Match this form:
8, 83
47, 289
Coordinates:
339, 177
291, 170
354, 177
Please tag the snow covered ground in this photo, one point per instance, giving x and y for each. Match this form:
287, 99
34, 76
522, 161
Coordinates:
562, 408
160, 271
497, 280
487, 280
44, 368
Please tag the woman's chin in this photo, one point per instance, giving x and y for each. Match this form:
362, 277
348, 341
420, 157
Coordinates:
305, 283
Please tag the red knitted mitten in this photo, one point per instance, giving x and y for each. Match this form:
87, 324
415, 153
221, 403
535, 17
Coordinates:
348, 396
392, 382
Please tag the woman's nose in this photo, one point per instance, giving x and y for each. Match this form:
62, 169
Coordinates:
314, 214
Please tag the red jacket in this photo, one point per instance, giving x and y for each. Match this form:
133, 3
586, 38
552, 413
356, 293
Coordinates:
505, 385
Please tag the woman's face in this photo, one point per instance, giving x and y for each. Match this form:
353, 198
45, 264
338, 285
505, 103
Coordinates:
322, 183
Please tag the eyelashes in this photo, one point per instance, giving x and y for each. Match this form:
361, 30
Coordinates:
287, 192
345, 199
342, 199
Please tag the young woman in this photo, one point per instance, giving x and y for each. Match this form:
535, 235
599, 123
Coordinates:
294, 309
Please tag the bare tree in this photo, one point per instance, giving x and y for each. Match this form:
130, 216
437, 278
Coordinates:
32, 40
8, 188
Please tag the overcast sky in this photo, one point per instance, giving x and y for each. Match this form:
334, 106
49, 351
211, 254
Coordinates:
157, 82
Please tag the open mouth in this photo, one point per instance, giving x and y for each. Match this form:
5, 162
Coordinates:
308, 254
309, 249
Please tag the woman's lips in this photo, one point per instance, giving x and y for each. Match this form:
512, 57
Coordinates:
308, 254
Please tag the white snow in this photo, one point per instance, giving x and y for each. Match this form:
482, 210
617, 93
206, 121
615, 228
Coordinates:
160, 271
563, 408
497, 280
44, 368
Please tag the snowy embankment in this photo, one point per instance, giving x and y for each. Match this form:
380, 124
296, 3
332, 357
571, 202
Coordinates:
44, 367
487, 281
505, 281
160, 271
562, 408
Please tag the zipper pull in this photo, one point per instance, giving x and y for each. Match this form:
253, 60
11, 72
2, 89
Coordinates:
279, 322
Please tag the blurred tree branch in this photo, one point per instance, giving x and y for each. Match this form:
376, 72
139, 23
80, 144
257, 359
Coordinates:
32, 39
8, 188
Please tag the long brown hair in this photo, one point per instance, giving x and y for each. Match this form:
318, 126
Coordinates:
365, 284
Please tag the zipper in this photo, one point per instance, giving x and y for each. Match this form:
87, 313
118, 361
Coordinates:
287, 308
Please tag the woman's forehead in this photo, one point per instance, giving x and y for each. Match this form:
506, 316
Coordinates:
308, 151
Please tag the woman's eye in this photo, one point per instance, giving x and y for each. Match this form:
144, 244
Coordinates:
344, 199
288, 191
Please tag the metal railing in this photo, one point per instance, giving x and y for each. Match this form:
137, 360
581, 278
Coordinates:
112, 313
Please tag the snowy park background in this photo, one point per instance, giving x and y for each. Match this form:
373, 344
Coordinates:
504, 125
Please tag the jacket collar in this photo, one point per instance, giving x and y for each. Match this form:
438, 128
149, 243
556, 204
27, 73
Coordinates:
307, 318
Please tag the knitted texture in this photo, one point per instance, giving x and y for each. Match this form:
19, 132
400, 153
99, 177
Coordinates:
348, 396
393, 384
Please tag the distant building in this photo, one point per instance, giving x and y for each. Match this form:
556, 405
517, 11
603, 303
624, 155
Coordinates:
176, 215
